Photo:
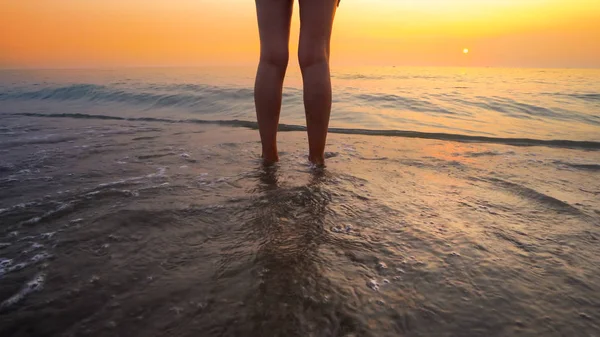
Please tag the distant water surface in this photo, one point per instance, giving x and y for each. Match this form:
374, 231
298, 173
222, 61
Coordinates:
509, 103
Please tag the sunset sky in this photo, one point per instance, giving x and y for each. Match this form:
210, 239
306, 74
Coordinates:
109, 33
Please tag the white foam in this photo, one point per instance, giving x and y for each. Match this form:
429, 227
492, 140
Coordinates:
35, 220
34, 246
382, 265
19, 206
4, 262
40, 257
117, 182
10, 267
176, 310
160, 173
136, 193
47, 235
348, 148
63, 207
31, 221
35, 284
373, 284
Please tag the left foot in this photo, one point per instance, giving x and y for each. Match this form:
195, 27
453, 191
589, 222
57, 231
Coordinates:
318, 161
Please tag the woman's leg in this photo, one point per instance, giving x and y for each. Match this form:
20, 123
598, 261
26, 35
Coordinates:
316, 22
274, 18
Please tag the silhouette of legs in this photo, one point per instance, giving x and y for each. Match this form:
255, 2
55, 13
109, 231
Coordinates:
316, 17
274, 18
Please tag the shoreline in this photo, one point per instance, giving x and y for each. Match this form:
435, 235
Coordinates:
555, 143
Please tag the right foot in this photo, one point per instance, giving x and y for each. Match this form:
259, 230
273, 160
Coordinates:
269, 160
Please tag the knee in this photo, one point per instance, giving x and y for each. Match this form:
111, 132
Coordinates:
310, 56
277, 58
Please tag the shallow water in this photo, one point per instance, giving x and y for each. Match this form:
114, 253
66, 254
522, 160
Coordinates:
149, 228
456, 202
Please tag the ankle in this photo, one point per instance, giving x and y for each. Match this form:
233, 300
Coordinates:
318, 160
270, 157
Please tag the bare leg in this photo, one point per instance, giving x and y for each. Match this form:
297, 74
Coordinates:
274, 18
316, 17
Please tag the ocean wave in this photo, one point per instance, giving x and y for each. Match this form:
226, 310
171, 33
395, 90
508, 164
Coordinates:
363, 76
559, 143
357, 77
470, 154
588, 97
586, 167
232, 92
521, 110
595, 97
201, 97
400, 102
164, 97
540, 197
49, 139
157, 95
35, 284
36, 212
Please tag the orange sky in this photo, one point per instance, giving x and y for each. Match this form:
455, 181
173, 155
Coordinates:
107, 33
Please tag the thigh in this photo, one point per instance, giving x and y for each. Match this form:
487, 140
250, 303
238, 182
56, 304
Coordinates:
316, 22
274, 19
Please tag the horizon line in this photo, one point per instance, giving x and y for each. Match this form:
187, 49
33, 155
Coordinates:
253, 65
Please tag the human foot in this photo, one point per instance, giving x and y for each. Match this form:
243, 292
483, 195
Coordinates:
270, 158
318, 161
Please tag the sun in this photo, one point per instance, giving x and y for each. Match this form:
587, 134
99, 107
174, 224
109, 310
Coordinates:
466, 51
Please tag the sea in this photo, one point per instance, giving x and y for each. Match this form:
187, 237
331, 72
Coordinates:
455, 202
